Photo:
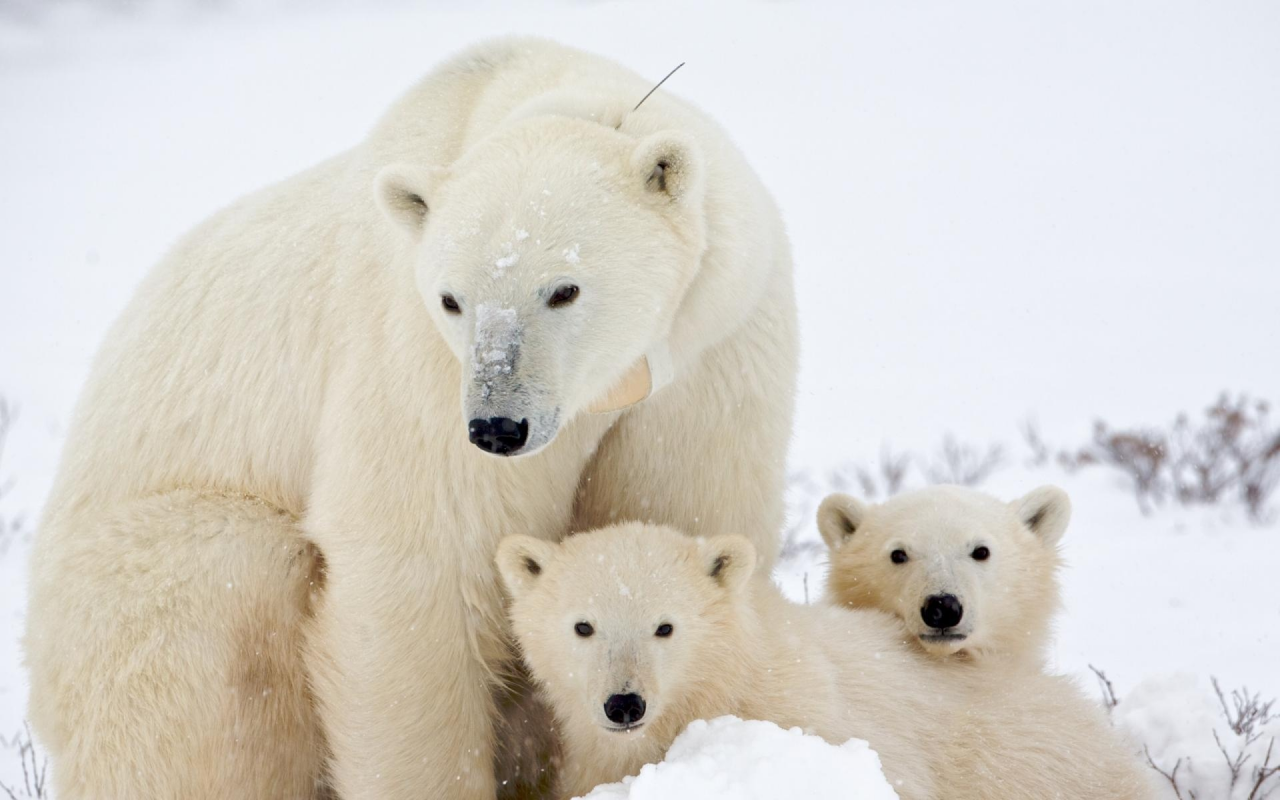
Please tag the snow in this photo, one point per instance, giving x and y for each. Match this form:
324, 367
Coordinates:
496, 342
503, 262
731, 759
1179, 719
997, 210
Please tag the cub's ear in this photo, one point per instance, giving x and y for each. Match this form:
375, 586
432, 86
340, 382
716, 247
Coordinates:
669, 163
521, 561
402, 192
728, 560
1045, 511
839, 517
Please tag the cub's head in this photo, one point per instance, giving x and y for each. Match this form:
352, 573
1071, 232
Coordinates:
622, 626
965, 572
552, 256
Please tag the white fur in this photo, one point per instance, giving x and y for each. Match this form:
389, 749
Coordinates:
738, 647
270, 545
1008, 599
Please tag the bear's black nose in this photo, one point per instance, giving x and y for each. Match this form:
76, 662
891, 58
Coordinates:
624, 709
942, 611
501, 436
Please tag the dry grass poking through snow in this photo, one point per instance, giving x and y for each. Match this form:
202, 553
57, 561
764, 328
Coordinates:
1231, 753
1229, 455
11, 525
35, 768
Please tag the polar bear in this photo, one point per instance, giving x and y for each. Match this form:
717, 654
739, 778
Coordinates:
280, 498
970, 576
634, 631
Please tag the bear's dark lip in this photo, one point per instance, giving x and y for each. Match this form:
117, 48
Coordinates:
944, 637
623, 728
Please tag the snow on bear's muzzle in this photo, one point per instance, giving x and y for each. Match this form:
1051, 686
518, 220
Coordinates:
508, 413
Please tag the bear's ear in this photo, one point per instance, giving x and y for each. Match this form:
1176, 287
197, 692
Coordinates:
728, 560
1045, 511
839, 517
669, 164
402, 192
521, 561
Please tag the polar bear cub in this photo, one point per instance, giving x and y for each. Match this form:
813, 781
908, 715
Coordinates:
632, 632
970, 576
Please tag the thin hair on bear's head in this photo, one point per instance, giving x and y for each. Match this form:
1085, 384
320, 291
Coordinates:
649, 94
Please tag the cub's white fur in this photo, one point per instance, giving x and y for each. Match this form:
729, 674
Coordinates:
286, 386
999, 561
736, 646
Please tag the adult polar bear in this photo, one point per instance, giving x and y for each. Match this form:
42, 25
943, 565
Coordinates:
271, 536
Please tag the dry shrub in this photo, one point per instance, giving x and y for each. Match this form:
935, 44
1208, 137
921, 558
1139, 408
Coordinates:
1252, 773
11, 525
963, 464
1232, 454
35, 769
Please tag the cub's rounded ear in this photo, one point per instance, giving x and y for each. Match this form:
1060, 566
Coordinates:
839, 517
728, 560
521, 561
670, 164
403, 193
1045, 511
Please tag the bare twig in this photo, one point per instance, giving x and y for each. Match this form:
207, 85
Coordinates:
34, 774
1233, 764
963, 464
1172, 777
1263, 773
1109, 698
1248, 714
1040, 451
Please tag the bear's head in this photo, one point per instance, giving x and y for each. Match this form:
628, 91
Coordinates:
622, 626
967, 574
553, 257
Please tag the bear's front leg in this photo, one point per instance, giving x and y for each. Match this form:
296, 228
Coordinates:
400, 680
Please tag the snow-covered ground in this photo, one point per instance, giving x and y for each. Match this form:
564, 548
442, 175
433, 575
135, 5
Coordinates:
998, 211
733, 759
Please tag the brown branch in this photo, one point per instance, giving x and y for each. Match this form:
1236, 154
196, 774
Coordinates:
1172, 777
1264, 772
1109, 698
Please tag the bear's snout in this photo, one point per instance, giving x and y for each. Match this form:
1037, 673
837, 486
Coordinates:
942, 611
501, 436
624, 709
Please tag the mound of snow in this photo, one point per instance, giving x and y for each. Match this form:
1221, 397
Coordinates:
1182, 724
738, 759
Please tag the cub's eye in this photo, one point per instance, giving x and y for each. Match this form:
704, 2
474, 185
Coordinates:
664, 630
450, 304
981, 554
583, 629
898, 556
563, 296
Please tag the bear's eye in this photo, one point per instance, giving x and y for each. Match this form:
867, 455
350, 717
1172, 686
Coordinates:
450, 304
981, 554
563, 296
664, 630
583, 629
898, 556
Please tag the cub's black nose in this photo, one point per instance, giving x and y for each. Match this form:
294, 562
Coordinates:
942, 611
501, 436
624, 709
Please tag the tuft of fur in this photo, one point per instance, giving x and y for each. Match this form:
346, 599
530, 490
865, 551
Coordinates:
1008, 599
737, 646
